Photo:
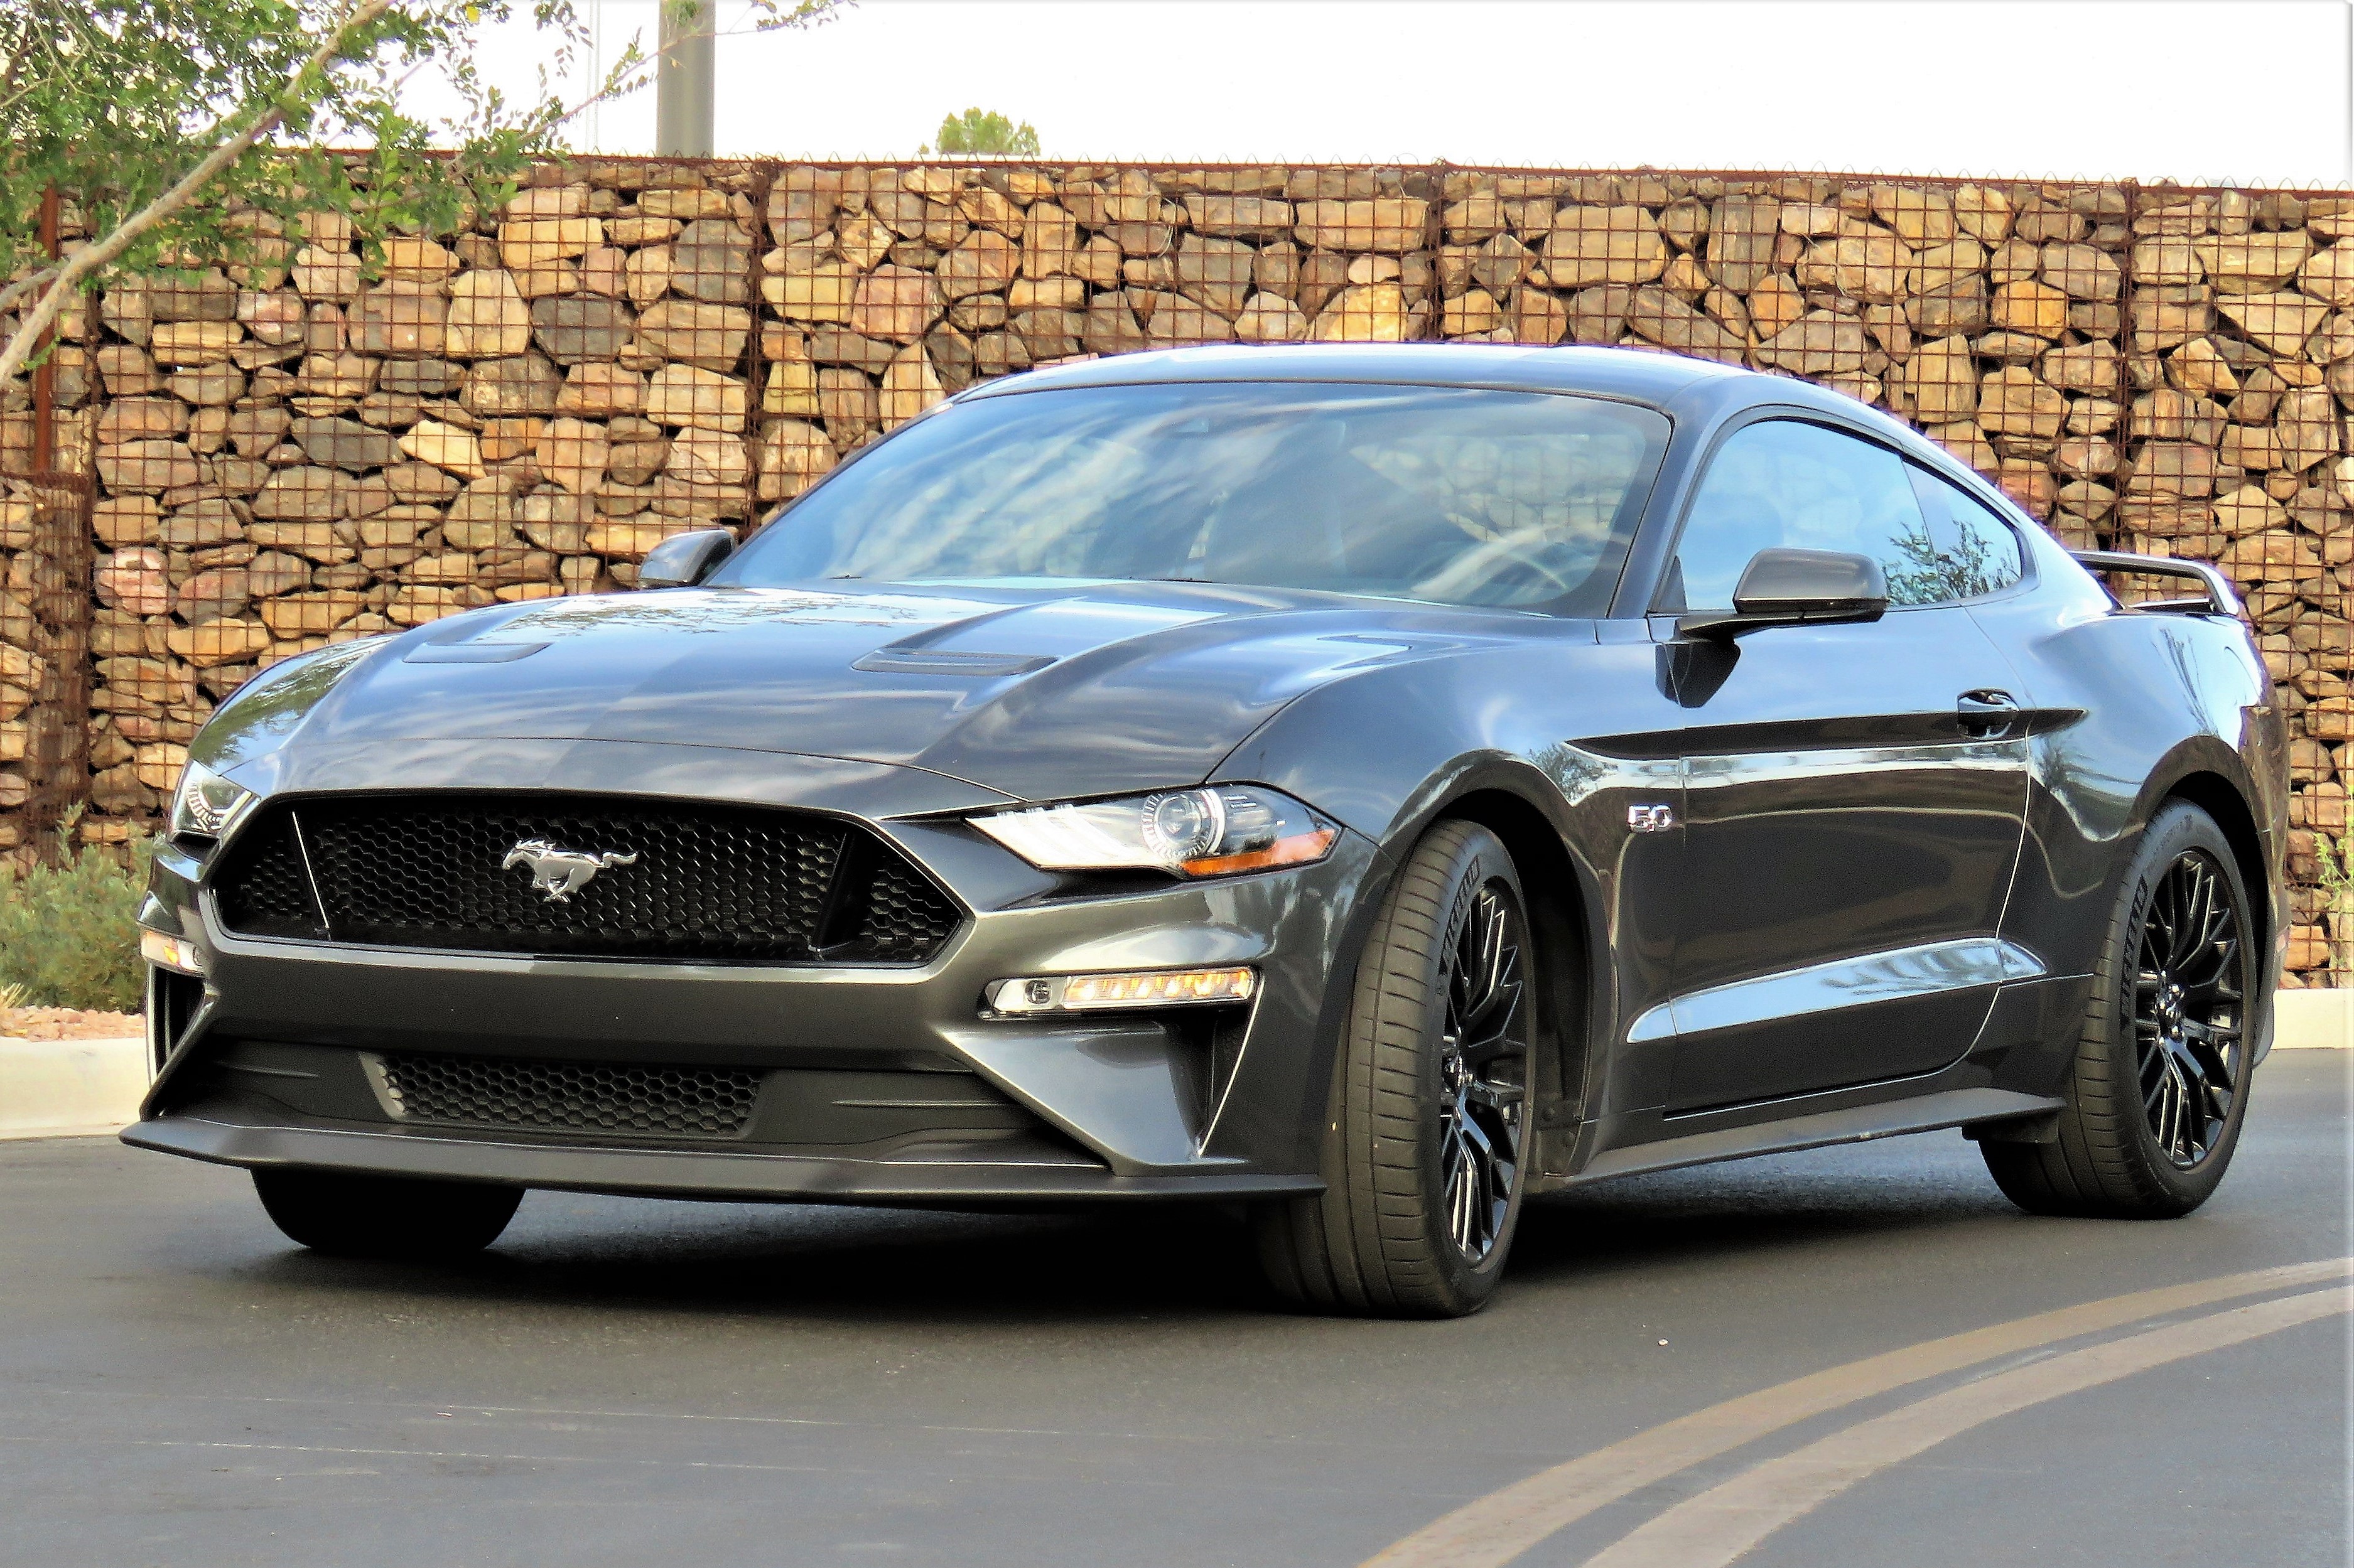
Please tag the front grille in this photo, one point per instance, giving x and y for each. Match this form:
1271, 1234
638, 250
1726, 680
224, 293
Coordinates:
269, 893
573, 1096
673, 879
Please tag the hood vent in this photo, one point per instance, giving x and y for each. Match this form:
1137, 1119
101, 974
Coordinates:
949, 661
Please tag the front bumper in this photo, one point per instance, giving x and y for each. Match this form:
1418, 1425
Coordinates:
281, 1062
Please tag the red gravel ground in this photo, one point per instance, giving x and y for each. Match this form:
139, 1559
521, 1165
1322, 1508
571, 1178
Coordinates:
66, 1023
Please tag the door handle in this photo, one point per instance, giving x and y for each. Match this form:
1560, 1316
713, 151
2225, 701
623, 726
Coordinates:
1986, 714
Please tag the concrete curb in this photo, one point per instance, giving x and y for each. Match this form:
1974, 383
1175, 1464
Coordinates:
78, 1088
2321, 1019
68, 1088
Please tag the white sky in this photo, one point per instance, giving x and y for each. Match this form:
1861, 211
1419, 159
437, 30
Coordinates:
2196, 90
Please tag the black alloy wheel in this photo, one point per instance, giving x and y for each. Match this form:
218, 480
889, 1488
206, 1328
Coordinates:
1483, 1069
2187, 1008
2157, 1088
1425, 1155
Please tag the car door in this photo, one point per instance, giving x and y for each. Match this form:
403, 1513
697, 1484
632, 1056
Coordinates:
1854, 794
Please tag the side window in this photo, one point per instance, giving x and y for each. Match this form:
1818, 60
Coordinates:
1966, 550
1784, 483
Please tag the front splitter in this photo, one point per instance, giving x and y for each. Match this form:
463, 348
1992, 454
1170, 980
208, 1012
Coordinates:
673, 1173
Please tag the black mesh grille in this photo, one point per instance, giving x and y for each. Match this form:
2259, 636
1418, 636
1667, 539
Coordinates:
647, 880
580, 1097
271, 893
905, 914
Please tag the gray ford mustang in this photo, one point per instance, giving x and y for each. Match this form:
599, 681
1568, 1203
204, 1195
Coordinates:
1366, 785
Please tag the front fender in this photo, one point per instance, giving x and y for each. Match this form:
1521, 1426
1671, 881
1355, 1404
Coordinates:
1572, 730
265, 713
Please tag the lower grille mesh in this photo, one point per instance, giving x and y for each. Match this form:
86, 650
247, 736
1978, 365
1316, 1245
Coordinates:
575, 1096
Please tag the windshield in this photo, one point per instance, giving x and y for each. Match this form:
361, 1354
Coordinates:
1449, 494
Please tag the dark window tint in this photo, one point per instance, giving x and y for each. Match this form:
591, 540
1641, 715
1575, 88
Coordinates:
1784, 483
1458, 495
1965, 551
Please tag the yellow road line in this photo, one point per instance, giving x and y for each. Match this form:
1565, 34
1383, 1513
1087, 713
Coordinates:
1716, 1527
1495, 1529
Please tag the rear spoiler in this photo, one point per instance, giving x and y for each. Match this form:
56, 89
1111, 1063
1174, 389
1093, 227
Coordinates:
2219, 598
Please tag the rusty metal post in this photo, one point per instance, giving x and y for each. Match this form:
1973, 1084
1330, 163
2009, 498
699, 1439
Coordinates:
755, 346
63, 566
45, 373
1433, 240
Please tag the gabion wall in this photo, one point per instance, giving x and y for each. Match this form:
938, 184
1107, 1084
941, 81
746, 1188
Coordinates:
301, 452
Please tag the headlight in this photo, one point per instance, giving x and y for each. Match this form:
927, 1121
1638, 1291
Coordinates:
1214, 832
206, 803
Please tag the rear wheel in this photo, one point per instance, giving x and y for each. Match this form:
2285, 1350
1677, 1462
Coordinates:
1423, 1155
385, 1217
2159, 1087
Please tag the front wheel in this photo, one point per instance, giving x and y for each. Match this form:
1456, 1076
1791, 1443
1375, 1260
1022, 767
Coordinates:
1425, 1156
2160, 1089
385, 1217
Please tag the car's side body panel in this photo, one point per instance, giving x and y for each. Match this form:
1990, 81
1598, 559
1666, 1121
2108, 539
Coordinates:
1843, 824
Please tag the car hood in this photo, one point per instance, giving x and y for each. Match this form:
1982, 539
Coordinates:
1038, 693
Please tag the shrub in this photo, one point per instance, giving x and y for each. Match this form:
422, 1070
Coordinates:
67, 936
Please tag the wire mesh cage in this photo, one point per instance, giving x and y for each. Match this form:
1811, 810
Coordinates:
335, 439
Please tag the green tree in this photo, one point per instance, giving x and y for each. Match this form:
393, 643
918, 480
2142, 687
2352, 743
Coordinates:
189, 131
985, 130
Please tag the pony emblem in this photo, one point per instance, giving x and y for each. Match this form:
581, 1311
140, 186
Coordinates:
560, 872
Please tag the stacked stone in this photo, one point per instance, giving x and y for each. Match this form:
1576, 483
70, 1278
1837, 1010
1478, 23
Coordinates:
1987, 314
2157, 371
24, 668
887, 288
33, 720
2240, 349
320, 449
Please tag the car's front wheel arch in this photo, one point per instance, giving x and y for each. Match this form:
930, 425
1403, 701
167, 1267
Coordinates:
1426, 1149
1561, 896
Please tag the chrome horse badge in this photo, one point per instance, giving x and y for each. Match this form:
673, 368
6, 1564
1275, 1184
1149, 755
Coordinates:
560, 872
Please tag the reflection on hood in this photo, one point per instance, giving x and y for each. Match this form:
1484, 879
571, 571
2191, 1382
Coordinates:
1037, 690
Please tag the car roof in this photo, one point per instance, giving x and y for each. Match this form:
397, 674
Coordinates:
1636, 374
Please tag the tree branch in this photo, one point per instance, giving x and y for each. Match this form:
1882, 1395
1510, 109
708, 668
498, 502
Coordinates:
98, 253
22, 286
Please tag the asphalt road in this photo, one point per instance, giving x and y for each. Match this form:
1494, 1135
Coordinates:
636, 1383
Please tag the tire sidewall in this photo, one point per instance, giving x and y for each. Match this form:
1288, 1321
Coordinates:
1480, 860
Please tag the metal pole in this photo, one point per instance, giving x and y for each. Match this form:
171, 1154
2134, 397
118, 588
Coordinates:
684, 95
45, 374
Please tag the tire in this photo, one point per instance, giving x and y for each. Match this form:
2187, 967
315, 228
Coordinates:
2158, 1090
1412, 1224
385, 1217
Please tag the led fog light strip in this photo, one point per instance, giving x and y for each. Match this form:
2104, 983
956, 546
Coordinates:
176, 953
1143, 988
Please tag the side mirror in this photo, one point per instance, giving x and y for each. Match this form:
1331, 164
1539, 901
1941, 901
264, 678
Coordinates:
1796, 587
684, 559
